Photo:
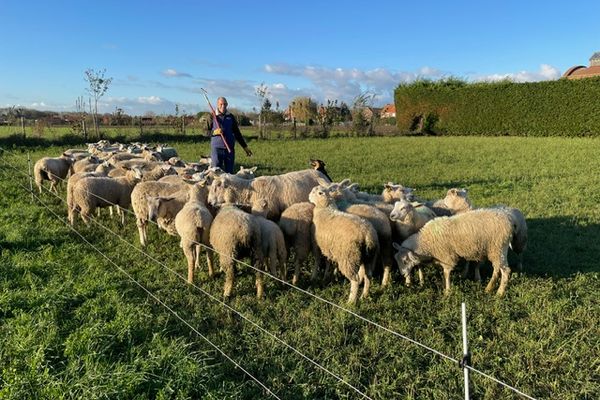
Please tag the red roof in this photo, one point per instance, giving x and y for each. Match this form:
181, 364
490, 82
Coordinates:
389, 108
580, 71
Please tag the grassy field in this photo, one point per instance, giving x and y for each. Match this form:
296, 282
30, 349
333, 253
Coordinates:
73, 325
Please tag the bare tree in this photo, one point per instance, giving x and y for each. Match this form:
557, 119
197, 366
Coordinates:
261, 93
98, 85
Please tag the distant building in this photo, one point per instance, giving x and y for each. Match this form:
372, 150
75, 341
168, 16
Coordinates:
581, 71
388, 111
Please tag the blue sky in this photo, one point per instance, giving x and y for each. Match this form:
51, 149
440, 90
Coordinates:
161, 53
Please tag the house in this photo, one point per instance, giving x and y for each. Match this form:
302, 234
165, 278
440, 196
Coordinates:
581, 71
388, 111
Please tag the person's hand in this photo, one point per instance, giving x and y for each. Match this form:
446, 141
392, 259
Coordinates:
248, 151
217, 131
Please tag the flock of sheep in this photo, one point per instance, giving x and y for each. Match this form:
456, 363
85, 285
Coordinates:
266, 218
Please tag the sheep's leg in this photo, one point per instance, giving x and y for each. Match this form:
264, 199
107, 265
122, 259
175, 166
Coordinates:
141, 231
296, 271
495, 274
465, 272
363, 276
421, 278
260, 289
209, 262
408, 279
502, 265
447, 271
477, 273
197, 251
354, 284
273, 262
228, 267
122, 211
386, 275
188, 250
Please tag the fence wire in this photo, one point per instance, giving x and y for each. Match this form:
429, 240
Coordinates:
334, 305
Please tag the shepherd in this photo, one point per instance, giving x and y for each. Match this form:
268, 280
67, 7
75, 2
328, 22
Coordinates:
224, 131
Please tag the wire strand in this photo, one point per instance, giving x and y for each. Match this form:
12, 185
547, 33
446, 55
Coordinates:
340, 379
158, 300
360, 317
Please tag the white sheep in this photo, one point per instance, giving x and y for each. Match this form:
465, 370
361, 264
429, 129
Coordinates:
473, 236
139, 201
236, 234
86, 164
101, 170
345, 239
456, 201
409, 218
93, 192
273, 246
296, 225
281, 191
193, 227
377, 218
53, 169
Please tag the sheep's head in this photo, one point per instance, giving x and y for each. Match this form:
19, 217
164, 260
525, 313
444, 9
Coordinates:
317, 164
406, 259
246, 173
221, 191
401, 209
392, 192
176, 162
458, 200
154, 203
320, 197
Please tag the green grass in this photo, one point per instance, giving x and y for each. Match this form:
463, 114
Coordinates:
73, 326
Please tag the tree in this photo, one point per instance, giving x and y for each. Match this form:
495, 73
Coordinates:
261, 93
303, 109
362, 116
98, 85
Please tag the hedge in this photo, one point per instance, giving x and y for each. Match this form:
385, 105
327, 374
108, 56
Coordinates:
454, 107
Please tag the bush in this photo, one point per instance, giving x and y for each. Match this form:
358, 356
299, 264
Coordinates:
454, 107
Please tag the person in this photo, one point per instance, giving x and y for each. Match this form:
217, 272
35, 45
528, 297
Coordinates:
227, 124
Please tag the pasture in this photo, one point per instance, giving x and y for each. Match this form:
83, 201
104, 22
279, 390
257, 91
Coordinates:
73, 325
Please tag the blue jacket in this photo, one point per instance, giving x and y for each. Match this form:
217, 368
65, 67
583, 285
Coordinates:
230, 129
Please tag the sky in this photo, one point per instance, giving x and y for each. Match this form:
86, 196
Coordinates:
161, 53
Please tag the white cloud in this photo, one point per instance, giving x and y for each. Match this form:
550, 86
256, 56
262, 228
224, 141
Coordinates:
154, 100
545, 73
347, 83
171, 73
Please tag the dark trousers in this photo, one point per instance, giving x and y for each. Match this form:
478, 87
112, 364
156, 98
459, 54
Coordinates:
222, 159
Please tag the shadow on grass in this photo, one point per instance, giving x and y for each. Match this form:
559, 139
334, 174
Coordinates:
28, 245
560, 247
18, 141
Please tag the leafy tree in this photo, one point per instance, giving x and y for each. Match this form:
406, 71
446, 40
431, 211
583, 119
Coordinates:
98, 85
303, 109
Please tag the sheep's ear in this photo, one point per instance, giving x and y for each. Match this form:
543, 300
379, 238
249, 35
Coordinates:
354, 187
263, 203
253, 169
345, 182
202, 183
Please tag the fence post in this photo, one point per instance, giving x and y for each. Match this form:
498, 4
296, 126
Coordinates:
466, 360
30, 177
23, 126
